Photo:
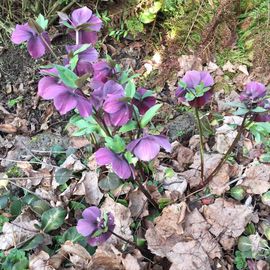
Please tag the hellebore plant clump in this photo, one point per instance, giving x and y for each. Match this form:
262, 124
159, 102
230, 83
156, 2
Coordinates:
118, 112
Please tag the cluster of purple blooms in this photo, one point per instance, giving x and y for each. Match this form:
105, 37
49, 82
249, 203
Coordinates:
106, 97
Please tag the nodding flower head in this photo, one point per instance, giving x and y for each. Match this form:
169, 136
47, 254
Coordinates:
195, 88
95, 226
37, 43
84, 23
253, 92
143, 100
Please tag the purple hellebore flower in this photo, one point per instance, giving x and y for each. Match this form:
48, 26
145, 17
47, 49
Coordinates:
35, 44
119, 112
86, 58
65, 99
148, 147
94, 226
253, 92
119, 164
143, 104
102, 71
87, 24
192, 79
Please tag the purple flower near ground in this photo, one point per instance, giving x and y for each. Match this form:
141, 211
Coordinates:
102, 71
35, 43
143, 103
193, 79
86, 59
119, 164
253, 92
85, 23
118, 110
65, 99
95, 226
148, 147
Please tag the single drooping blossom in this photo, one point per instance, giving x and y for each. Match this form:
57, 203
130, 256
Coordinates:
85, 59
35, 41
95, 226
142, 101
65, 99
253, 92
192, 80
118, 110
85, 23
120, 166
148, 147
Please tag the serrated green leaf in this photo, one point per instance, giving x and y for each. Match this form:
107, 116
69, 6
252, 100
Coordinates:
53, 219
73, 62
116, 144
82, 49
67, 76
62, 175
131, 125
130, 89
42, 22
147, 117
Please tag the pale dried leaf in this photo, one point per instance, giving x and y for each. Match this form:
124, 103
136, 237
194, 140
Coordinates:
257, 178
168, 229
122, 217
184, 157
228, 220
229, 67
40, 261
138, 204
188, 256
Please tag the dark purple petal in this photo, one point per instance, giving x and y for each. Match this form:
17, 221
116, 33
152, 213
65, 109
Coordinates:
262, 117
84, 106
45, 83
22, 33
49, 89
192, 78
163, 141
104, 156
95, 23
85, 228
91, 214
96, 241
147, 149
201, 101
81, 16
65, 102
36, 47
121, 167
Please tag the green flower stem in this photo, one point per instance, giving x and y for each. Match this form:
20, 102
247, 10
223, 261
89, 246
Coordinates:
138, 122
201, 143
227, 154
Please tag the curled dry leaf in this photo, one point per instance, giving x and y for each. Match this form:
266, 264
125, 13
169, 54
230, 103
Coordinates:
73, 163
228, 220
122, 218
39, 261
168, 229
20, 230
138, 204
77, 254
184, 157
257, 178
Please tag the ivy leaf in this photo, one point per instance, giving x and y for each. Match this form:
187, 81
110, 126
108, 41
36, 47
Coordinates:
110, 182
147, 117
53, 219
67, 76
62, 175
42, 22
130, 89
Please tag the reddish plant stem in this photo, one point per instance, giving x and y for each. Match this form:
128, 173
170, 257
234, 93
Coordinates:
223, 160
